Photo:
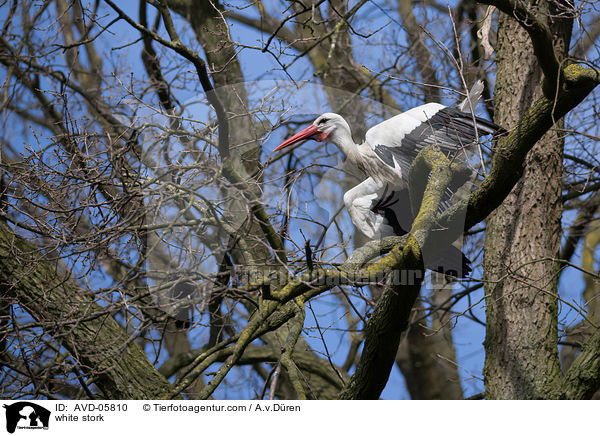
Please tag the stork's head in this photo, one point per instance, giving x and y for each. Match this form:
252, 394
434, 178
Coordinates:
325, 127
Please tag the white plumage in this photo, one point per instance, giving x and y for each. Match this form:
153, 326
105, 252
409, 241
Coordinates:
377, 206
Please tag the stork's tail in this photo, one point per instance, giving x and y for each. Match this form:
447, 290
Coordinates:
395, 210
470, 103
450, 261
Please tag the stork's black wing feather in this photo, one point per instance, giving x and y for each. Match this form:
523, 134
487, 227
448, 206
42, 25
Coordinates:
394, 207
448, 128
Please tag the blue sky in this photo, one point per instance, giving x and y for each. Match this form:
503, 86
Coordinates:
309, 101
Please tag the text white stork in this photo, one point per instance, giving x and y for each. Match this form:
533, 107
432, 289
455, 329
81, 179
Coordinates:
379, 205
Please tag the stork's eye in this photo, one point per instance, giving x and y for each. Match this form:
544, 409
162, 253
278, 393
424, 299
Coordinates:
323, 120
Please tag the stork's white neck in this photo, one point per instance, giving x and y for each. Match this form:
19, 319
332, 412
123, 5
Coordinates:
342, 137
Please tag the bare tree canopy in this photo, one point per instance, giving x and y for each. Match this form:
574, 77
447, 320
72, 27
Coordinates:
153, 245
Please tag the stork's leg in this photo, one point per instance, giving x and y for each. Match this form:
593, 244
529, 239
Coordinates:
359, 201
378, 210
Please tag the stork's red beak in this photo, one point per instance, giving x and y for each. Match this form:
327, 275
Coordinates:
305, 133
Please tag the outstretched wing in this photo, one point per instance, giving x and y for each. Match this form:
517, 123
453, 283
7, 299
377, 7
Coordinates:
398, 140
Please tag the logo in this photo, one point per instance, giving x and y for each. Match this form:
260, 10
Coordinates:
26, 415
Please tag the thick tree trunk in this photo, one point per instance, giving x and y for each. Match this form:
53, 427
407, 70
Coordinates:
427, 357
522, 234
118, 366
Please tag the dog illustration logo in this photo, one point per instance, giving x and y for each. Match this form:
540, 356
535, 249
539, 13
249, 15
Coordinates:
26, 415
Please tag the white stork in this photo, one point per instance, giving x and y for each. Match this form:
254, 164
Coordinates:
379, 206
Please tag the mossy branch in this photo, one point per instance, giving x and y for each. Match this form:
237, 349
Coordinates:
384, 322
305, 360
535, 23
296, 326
510, 151
391, 315
582, 379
